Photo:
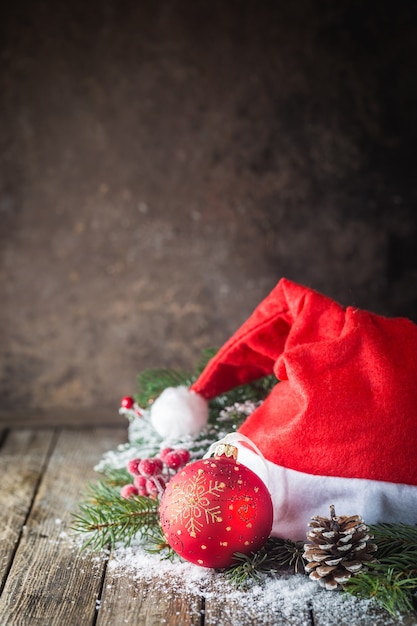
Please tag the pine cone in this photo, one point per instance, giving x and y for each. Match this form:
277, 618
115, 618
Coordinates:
339, 548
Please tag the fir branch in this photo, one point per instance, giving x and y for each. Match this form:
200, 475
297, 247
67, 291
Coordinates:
286, 554
392, 580
247, 568
157, 544
277, 554
117, 476
255, 391
108, 518
394, 539
394, 591
152, 382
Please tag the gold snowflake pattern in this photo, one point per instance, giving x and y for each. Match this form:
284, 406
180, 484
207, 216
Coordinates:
192, 502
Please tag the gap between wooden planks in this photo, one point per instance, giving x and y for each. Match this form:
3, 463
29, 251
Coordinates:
45, 580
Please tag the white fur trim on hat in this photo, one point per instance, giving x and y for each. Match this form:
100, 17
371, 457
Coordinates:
297, 497
178, 412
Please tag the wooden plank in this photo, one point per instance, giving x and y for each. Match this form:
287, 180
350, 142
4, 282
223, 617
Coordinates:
51, 583
231, 613
131, 602
79, 418
256, 610
23, 456
130, 597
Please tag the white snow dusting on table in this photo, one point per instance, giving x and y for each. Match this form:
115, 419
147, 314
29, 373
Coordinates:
287, 594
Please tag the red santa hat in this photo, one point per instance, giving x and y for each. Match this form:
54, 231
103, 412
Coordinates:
340, 427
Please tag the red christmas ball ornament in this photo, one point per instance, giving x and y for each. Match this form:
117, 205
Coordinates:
215, 507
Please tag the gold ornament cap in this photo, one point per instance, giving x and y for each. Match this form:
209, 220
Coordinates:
226, 449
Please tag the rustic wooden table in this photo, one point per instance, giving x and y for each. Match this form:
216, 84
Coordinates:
46, 580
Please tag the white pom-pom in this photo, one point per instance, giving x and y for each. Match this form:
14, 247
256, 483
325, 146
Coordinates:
178, 412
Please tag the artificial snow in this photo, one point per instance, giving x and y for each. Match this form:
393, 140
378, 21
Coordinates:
292, 596
145, 442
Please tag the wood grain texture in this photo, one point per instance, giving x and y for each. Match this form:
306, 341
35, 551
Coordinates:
230, 612
23, 456
80, 418
126, 601
51, 582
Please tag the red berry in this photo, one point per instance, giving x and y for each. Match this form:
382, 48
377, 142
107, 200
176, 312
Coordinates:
140, 482
185, 455
133, 467
163, 454
150, 467
127, 402
128, 491
155, 485
174, 460
151, 486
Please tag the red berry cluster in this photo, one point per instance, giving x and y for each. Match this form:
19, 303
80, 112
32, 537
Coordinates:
152, 475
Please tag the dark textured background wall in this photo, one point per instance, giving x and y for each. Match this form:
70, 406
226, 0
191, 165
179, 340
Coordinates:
163, 164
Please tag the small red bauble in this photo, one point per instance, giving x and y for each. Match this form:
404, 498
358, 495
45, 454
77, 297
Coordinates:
215, 507
127, 402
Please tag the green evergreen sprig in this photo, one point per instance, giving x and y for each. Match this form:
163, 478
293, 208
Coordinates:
253, 392
152, 382
286, 554
277, 555
248, 568
107, 518
392, 581
394, 591
395, 539
116, 477
157, 544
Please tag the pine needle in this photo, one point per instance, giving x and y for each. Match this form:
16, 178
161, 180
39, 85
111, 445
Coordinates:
286, 554
256, 391
392, 581
152, 382
107, 518
394, 591
117, 477
247, 568
157, 544
395, 539
277, 555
